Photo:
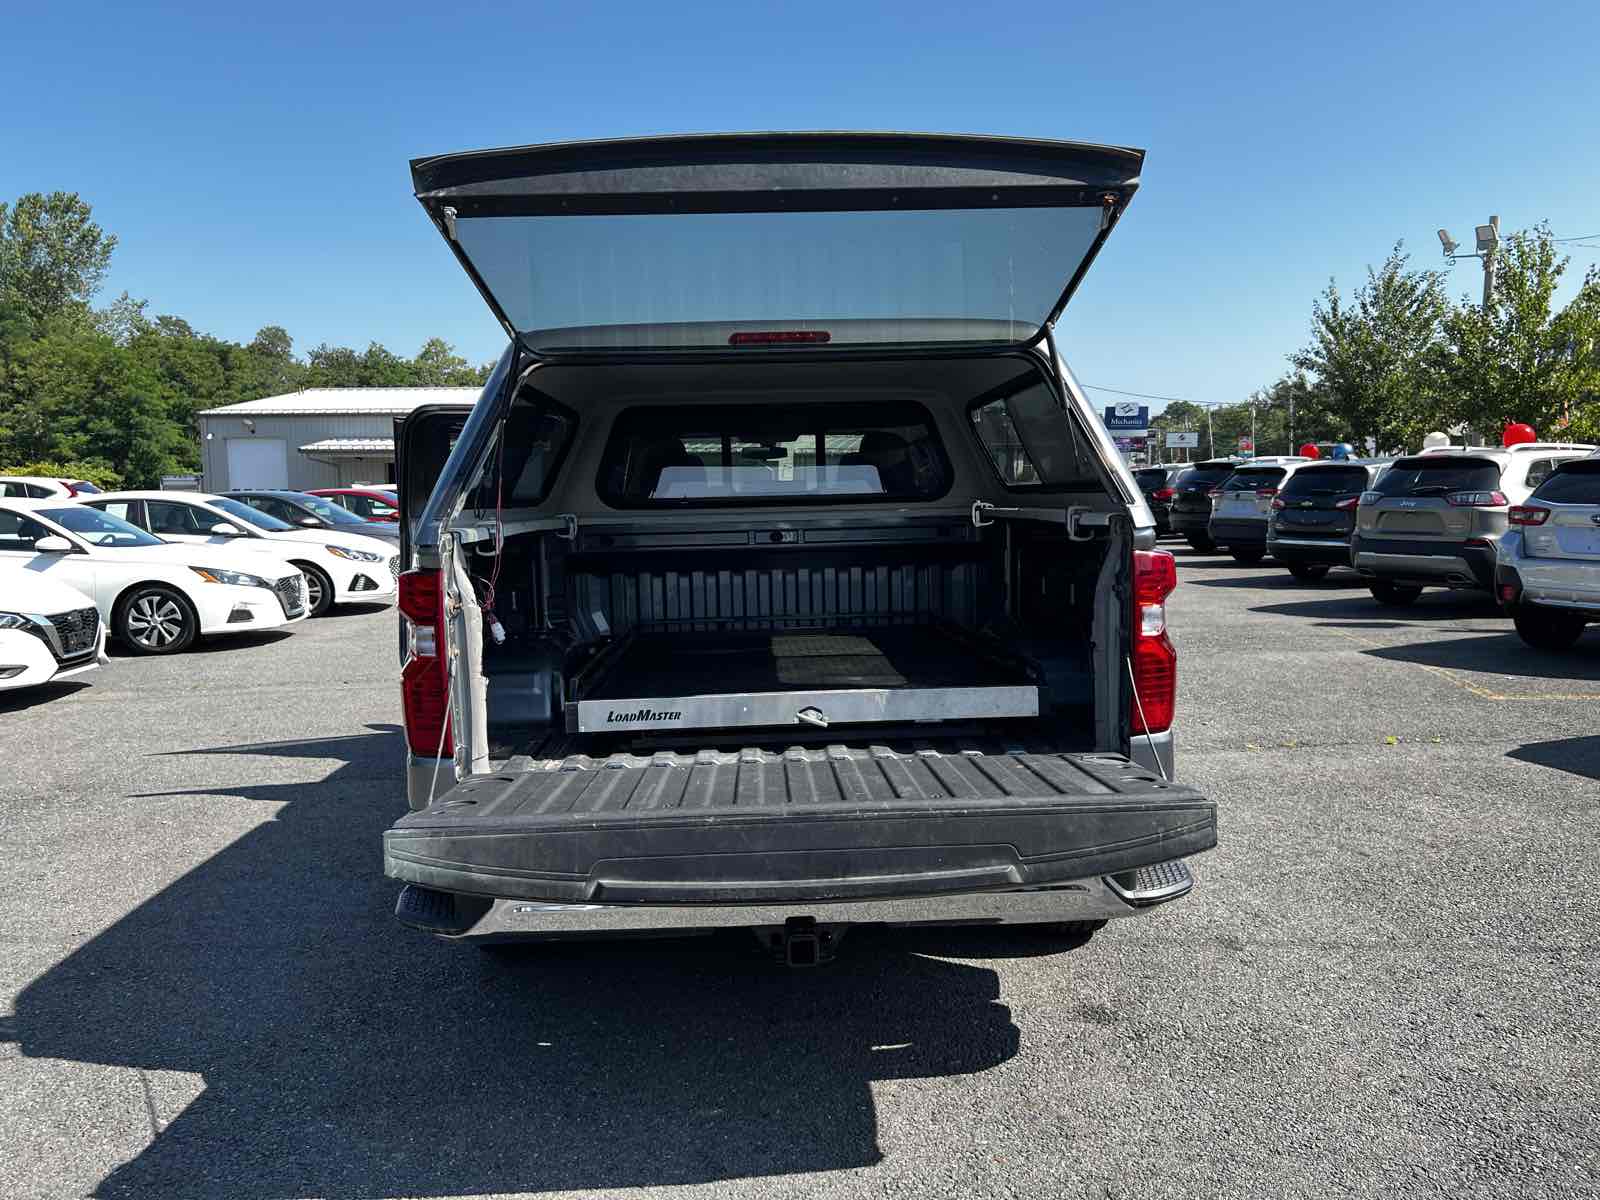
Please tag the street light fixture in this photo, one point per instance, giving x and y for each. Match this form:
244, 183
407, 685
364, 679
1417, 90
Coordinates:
1488, 243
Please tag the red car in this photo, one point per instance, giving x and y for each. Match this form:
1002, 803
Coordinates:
368, 503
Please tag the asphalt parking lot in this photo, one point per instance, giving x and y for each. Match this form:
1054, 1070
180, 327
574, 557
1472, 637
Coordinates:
1387, 979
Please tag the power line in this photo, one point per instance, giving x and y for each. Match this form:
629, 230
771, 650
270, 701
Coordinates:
1588, 237
1093, 387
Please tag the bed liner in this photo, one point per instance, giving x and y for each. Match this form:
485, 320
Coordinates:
831, 823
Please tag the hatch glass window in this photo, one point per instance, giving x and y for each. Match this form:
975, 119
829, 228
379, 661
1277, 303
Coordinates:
682, 280
1438, 475
740, 454
1576, 483
1326, 481
1250, 481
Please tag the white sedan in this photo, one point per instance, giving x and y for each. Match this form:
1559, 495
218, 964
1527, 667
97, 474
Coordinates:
156, 597
48, 630
340, 568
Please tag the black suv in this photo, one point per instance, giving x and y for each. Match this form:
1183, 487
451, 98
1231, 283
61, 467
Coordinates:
1156, 484
1314, 516
1189, 513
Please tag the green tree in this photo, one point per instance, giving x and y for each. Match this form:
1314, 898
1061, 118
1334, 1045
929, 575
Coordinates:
1522, 358
1374, 356
438, 365
52, 254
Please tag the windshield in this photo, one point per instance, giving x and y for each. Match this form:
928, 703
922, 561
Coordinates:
100, 529
1576, 483
678, 280
1438, 475
1327, 481
1203, 477
334, 514
251, 516
1249, 481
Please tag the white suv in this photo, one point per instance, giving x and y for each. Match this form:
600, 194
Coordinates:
1547, 566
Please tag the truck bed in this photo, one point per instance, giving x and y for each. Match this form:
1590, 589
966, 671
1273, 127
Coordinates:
758, 826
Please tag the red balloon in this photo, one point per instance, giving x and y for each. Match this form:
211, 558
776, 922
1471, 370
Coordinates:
1517, 433
1310, 451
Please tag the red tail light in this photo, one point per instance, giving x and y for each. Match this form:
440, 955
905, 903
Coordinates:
1347, 503
1266, 491
424, 682
1155, 659
1476, 499
1161, 494
1214, 493
1528, 514
1277, 502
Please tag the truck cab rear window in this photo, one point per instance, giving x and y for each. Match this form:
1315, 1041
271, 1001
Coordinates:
699, 456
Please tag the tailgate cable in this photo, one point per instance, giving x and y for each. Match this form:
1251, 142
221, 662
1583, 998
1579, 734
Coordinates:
1139, 704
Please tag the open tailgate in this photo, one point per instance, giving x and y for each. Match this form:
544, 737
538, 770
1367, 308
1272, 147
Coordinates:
757, 826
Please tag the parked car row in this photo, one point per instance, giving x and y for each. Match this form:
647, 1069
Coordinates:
159, 570
1520, 521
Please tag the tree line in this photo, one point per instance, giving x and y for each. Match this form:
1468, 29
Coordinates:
110, 393
1397, 359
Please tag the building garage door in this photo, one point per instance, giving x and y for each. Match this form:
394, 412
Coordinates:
258, 463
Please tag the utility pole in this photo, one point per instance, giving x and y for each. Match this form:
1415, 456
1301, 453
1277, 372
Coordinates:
1488, 262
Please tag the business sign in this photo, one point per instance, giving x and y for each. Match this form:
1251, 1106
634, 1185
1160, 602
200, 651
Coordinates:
180, 483
1246, 446
1183, 441
1127, 418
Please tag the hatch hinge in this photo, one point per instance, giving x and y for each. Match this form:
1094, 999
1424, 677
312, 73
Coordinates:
448, 215
1082, 522
981, 509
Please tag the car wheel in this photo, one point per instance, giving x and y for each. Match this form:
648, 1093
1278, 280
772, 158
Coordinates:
152, 619
1396, 594
1544, 629
1246, 555
1200, 542
1310, 572
319, 589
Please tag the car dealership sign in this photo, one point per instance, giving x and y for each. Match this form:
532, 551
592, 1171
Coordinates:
1127, 418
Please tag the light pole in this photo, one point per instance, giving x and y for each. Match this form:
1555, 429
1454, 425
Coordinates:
1488, 243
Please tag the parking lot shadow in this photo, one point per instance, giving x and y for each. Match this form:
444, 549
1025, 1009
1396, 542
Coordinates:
345, 1056
1574, 755
1500, 654
1438, 605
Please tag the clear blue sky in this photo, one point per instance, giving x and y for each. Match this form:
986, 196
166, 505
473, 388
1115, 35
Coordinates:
253, 160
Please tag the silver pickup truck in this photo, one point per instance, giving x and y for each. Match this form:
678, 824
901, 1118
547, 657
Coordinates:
782, 577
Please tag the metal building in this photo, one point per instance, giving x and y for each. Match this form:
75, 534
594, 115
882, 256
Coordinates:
321, 437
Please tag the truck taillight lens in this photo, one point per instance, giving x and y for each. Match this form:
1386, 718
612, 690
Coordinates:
1528, 514
424, 681
1155, 659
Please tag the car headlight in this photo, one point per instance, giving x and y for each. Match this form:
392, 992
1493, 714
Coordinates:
14, 621
236, 578
355, 555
